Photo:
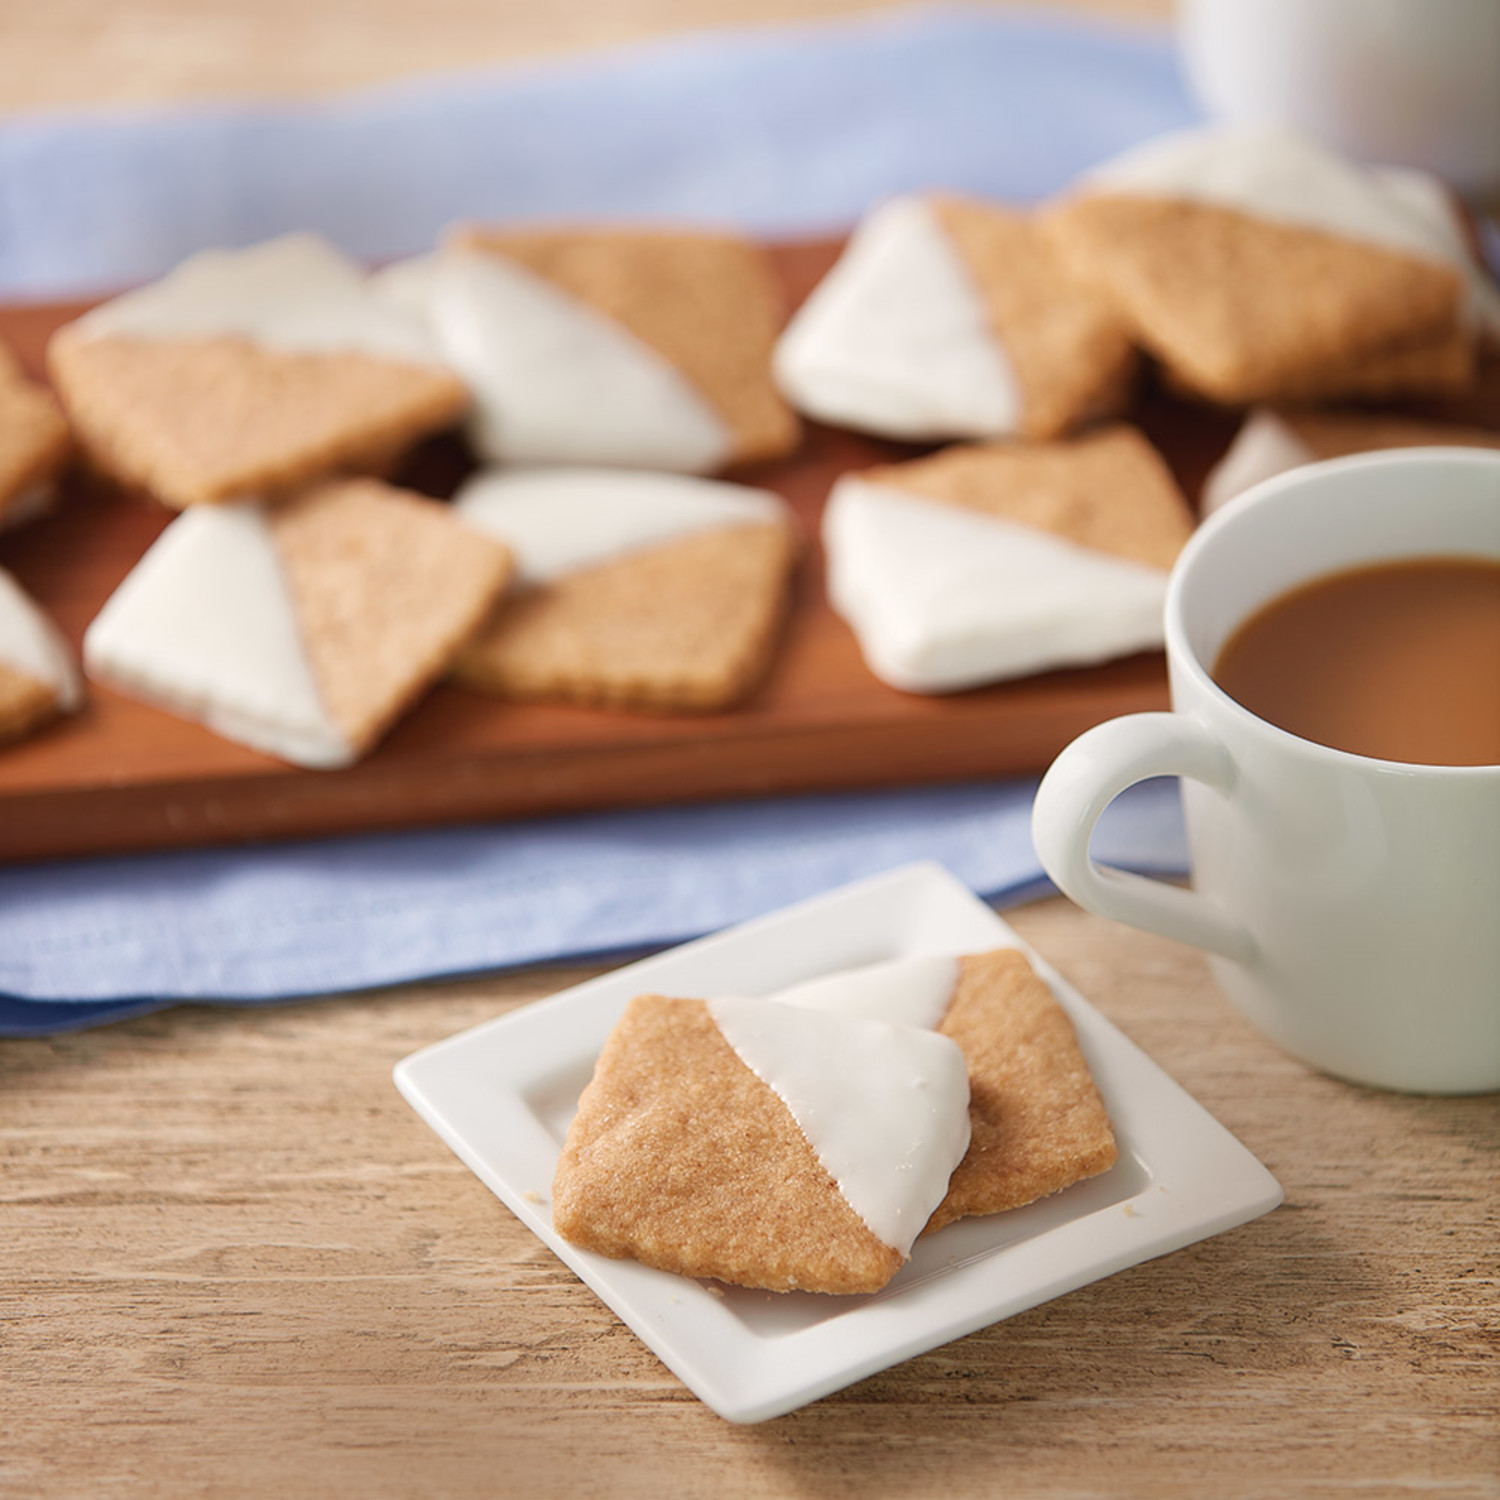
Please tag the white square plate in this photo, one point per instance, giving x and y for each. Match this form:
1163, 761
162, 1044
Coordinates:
502, 1094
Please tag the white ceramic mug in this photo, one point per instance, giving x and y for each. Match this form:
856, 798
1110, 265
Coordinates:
1351, 905
1406, 82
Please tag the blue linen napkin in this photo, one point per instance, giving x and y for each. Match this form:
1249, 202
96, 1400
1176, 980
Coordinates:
782, 131
787, 132
92, 940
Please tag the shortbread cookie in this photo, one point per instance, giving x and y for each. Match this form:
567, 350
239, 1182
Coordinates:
302, 630
644, 350
951, 318
33, 444
1433, 206
1037, 1122
634, 590
248, 372
38, 679
1257, 265
992, 561
766, 1145
1272, 441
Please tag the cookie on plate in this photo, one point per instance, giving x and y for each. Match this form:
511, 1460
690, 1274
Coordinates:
38, 679
245, 373
641, 349
1037, 1123
303, 629
765, 1145
1257, 265
656, 591
1271, 441
996, 560
33, 444
948, 317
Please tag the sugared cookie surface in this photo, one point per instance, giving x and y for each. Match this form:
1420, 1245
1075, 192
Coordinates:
1257, 265
303, 629
992, 561
634, 348
1037, 1122
38, 678
34, 444
762, 1144
248, 372
949, 317
636, 590
1272, 441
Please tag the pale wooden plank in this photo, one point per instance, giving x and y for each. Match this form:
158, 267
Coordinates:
235, 1262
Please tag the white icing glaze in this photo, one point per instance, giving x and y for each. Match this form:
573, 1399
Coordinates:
901, 991
1427, 199
32, 645
896, 340
553, 379
409, 287
886, 1108
556, 521
1275, 174
1263, 448
943, 598
205, 627
296, 293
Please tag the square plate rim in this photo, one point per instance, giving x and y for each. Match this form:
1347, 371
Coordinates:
748, 1379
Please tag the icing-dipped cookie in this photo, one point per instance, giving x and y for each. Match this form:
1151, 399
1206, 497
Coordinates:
303, 629
766, 1145
1037, 1123
38, 679
1272, 441
34, 444
948, 317
640, 349
996, 560
657, 591
1256, 265
249, 372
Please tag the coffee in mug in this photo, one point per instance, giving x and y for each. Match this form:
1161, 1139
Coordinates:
1349, 898
1396, 660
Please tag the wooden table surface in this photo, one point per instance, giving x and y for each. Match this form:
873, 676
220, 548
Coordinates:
234, 1263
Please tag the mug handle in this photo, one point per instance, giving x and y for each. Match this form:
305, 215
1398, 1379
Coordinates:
1085, 779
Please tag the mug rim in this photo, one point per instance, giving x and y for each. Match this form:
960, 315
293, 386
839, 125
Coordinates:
1181, 651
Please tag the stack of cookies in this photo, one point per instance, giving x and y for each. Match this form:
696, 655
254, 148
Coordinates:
606, 381
300, 603
804, 1141
1250, 266
293, 607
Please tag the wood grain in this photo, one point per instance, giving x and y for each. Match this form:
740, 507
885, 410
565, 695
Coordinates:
234, 1263
124, 776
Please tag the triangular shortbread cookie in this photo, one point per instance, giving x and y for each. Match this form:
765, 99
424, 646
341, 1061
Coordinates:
645, 590
249, 372
951, 318
993, 561
762, 1144
638, 349
38, 679
1037, 1122
33, 443
1271, 442
1257, 265
301, 630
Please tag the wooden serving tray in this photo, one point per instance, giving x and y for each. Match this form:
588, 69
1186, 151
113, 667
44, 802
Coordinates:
122, 776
